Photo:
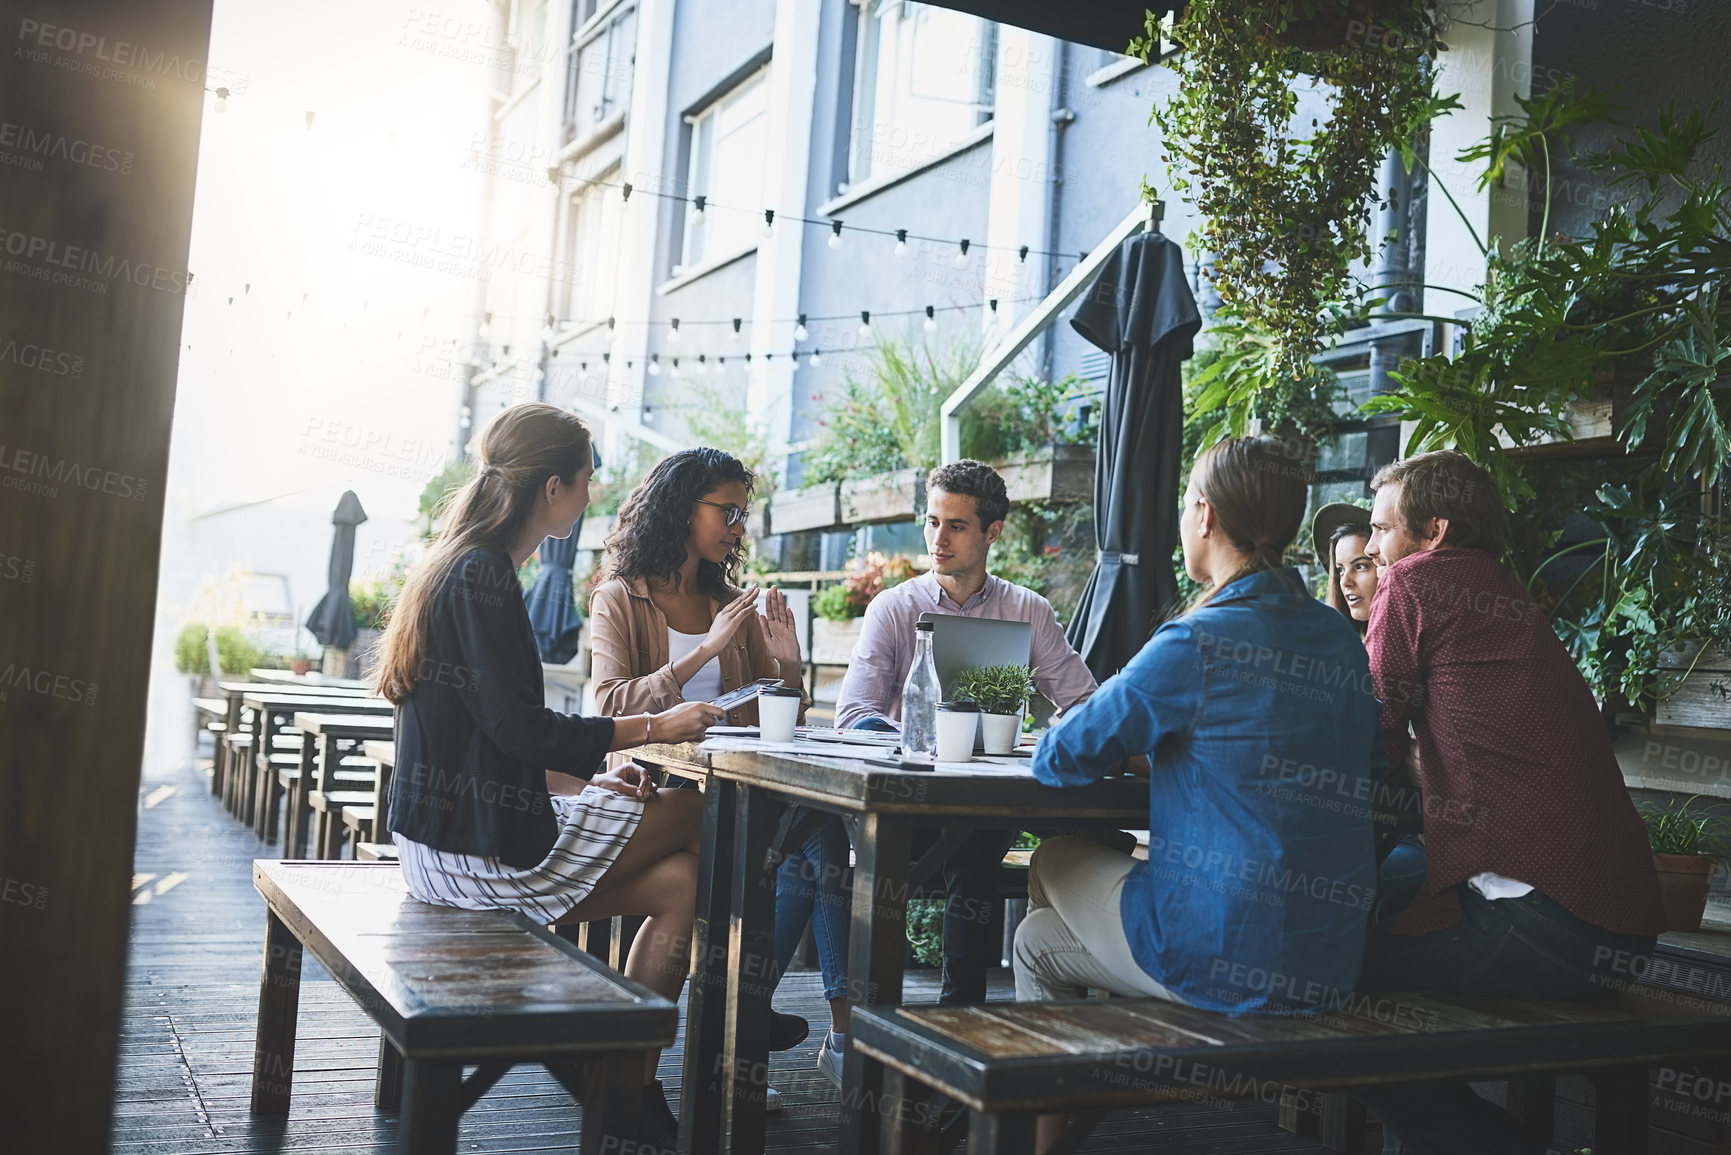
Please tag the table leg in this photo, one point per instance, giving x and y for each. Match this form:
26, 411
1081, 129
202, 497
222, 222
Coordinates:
388, 1083
432, 1104
875, 956
1001, 1133
750, 966
612, 1103
279, 996
1620, 1110
700, 1104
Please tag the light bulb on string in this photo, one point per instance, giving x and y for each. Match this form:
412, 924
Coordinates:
815, 359
835, 234
222, 100
865, 323
931, 322
734, 335
697, 207
799, 330
702, 364
768, 222
961, 257
992, 320
673, 331
901, 249
655, 364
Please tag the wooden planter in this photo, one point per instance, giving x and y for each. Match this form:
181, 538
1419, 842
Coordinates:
815, 507
832, 643
886, 497
1059, 473
1595, 420
1696, 703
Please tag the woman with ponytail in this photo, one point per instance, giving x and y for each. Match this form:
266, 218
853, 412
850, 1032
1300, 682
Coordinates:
1254, 711
499, 803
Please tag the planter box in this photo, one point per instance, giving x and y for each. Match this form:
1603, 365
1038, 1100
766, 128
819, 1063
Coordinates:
1594, 421
1696, 703
1056, 473
832, 643
898, 496
817, 507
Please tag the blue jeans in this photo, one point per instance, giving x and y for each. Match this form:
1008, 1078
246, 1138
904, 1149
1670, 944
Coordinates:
1526, 948
811, 884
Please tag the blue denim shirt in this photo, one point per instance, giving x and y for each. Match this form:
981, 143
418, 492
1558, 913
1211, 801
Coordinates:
1256, 714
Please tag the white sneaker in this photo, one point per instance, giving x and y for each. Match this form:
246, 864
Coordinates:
772, 1102
830, 1056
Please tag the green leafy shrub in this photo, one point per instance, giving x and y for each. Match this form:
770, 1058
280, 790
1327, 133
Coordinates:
926, 930
996, 689
849, 598
1684, 828
371, 602
234, 652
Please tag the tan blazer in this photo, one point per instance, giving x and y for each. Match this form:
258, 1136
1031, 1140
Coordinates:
628, 635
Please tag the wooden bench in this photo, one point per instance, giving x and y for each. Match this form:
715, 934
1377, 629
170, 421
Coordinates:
1004, 1063
449, 987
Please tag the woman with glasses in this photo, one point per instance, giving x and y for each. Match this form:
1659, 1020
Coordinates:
669, 625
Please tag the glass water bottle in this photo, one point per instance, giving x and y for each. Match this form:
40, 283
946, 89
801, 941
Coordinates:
920, 699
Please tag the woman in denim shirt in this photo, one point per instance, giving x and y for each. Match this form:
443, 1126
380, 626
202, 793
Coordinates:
1254, 711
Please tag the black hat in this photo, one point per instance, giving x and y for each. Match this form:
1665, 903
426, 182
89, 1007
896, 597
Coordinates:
1329, 518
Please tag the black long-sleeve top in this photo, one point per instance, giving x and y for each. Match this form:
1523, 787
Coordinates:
474, 738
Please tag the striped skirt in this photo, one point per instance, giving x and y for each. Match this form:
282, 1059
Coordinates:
594, 827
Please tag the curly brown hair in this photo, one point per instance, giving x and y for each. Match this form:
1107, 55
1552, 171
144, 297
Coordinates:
648, 538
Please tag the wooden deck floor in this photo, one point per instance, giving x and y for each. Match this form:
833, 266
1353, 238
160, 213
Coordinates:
192, 989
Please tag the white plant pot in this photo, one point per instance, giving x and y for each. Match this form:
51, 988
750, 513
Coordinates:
1000, 732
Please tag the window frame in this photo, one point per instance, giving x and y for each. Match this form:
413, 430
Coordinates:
698, 154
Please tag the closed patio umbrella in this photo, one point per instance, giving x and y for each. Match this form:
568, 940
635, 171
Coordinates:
553, 613
1142, 312
333, 619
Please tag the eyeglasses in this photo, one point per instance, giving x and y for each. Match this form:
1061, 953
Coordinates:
734, 514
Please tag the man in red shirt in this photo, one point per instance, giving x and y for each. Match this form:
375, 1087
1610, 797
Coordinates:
1534, 873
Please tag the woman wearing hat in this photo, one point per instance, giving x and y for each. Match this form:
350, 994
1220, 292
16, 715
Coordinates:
1340, 532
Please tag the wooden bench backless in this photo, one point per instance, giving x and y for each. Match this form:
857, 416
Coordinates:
449, 987
1006, 1062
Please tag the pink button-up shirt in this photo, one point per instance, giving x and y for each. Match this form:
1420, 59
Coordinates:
880, 663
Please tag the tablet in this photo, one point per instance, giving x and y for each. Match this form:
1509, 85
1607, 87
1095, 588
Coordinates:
735, 698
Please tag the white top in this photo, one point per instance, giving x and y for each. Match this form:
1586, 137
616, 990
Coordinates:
705, 685
1495, 886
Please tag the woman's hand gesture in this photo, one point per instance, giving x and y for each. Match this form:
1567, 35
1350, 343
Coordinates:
779, 631
627, 778
728, 619
686, 722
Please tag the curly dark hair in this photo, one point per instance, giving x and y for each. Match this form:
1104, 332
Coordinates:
977, 480
648, 538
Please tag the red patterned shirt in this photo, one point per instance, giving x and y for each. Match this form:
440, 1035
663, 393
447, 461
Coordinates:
1515, 766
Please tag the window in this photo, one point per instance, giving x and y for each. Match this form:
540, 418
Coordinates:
726, 169
598, 68
923, 82
593, 242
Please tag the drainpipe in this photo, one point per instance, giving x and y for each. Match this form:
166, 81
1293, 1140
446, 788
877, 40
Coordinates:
1062, 117
1391, 277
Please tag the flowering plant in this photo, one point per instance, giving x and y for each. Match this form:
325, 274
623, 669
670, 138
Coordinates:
865, 580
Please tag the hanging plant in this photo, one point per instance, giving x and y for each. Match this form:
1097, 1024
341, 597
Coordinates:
1284, 203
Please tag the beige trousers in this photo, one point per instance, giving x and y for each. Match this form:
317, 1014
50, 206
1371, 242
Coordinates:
1073, 938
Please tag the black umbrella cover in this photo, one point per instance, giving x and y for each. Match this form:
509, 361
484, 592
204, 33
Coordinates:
333, 619
1141, 311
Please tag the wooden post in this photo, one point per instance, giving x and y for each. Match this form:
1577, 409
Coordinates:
95, 270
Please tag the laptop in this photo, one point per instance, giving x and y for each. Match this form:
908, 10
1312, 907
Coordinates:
960, 644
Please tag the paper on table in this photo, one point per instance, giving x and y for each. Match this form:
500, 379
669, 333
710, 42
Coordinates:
810, 749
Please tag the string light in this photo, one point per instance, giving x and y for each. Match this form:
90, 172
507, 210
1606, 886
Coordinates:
654, 364
835, 235
799, 331
901, 242
931, 322
697, 206
734, 336
865, 323
815, 360
769, 222
673, 332
961, 258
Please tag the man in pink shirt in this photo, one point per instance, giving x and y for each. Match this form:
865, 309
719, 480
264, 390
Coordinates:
966, 504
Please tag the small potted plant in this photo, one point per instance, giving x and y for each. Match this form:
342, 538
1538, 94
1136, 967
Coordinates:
1002, 694
1687, 841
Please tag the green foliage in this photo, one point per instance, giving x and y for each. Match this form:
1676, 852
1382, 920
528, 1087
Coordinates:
866, 579
1048, 549
452, 478
996, 689
1684, 828
1284, 210
717, 419
235, 653
615, 480
371, 603
889, 415
1238, 375
926, 930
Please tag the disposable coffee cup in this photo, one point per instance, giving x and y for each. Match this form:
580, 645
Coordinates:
777, 713
958, 725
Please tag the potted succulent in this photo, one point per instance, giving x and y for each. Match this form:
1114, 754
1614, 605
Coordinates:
1687, 841
1002, 694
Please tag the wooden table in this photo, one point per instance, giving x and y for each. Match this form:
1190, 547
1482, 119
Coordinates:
382, 754
311, 680
235, 722
331, 736
272, 710
758, 802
